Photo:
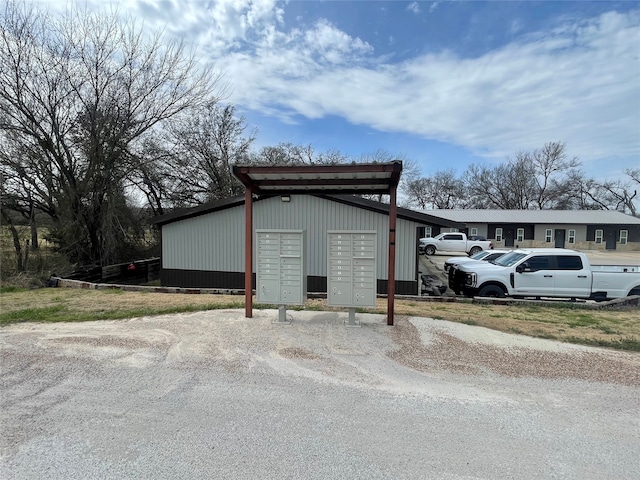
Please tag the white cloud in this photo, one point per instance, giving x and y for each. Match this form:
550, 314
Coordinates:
577, 84
414, 7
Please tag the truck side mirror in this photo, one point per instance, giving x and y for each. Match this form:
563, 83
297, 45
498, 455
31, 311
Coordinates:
520, 268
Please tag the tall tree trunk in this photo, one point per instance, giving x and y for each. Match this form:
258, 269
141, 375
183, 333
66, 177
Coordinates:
34, 228
16, 241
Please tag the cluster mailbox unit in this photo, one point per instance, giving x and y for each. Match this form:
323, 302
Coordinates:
351, 269
281, 275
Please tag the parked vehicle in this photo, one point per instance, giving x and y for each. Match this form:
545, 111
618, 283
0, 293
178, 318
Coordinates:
545, 272
486, 255
452, 242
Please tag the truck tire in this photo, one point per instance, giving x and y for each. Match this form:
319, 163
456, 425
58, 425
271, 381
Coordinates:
474, 250
492, 291
430, 250
634, 291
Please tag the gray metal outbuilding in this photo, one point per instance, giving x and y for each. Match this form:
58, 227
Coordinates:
203, 247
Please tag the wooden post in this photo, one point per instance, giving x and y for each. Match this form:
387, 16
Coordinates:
248, 253
391, 284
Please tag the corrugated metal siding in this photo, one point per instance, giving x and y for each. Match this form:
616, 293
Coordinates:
215, 241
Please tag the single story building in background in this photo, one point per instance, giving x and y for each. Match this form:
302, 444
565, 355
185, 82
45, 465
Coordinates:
203, 247
578, 229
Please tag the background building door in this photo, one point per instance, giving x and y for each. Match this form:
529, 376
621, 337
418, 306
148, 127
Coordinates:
508, 237
560, 236
610, 239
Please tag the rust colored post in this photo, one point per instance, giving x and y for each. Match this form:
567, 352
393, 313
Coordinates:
391, 284
248, 253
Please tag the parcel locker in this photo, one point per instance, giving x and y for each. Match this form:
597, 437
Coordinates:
281, 275
351, 268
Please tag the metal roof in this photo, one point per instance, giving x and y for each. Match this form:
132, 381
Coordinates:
581, 217
340, 178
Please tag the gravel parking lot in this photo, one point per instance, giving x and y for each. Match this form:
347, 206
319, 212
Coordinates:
216, 395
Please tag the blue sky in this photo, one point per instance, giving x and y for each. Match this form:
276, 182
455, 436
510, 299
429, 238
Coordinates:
444, 83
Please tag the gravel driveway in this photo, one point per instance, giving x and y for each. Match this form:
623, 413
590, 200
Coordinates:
216, 395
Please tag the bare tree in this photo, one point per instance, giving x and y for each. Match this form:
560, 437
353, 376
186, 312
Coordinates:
191, 163
506, 186
441, 190
620, 194
552, 170
542, 179
78, 96
410, 170
287, 153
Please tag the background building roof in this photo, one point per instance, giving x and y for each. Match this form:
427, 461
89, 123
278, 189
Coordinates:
582, 217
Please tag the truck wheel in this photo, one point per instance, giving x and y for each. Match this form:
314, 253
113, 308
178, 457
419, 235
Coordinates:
474, 250
430, 250
634, 291
491, 291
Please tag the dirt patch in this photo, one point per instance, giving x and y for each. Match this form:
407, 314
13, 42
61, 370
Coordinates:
447, 352
109, 341
299, 353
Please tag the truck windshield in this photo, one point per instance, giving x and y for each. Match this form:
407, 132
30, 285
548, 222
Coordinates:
480, 255
509, 259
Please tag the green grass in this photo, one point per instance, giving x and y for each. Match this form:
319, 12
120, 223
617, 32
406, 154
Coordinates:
621, 343
582, 320
61, 313
607, 329
12, 289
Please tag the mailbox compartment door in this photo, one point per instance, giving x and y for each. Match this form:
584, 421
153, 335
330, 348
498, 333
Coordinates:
268, 291
364, 297
339, 293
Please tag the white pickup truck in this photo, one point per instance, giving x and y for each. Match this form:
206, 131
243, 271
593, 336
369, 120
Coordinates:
545, 272
452, 242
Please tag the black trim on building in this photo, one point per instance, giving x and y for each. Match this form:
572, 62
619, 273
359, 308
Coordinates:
235, 281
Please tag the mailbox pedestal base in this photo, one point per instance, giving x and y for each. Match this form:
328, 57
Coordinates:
282, 316
352, 322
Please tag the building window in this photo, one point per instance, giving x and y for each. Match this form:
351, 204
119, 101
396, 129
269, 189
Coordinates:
520, 234
624, 234
498, 234
427, 231
453, 229
572, 236
548, 235
598, 236
473, 231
